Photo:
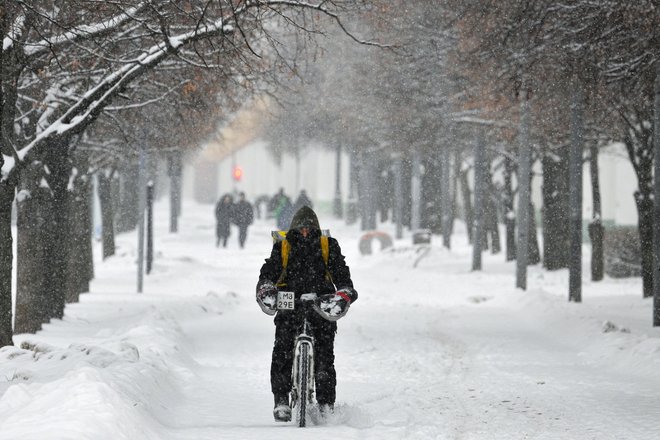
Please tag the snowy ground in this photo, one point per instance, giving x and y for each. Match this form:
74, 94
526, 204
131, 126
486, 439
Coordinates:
432, 351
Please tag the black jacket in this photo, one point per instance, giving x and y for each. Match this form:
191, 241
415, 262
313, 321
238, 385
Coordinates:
301, 201
243, 213
306, 271
223, 216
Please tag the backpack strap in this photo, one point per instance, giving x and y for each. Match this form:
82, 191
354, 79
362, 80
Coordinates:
285, 253
285, 260
325, 252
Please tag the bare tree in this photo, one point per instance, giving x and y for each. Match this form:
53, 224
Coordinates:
63, 64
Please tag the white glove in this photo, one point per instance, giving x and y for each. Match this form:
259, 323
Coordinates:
267, 298
335, 305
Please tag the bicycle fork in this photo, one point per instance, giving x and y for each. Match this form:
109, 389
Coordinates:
303, 365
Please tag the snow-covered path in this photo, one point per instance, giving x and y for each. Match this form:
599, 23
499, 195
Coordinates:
430, 352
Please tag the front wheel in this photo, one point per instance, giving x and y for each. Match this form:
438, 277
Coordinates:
303, 383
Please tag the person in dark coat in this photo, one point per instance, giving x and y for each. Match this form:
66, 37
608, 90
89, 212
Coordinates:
275, 201
223, 217
305, 272
302, 200
243, 217
285, 213
282, 209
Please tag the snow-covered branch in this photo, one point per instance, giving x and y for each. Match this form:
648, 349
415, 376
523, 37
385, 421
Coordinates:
81, 32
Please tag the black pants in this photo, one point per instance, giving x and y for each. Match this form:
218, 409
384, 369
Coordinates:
222, 240
287, 327
222, 234
242, 235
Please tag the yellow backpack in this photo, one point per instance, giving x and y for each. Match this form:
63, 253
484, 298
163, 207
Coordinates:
325, 252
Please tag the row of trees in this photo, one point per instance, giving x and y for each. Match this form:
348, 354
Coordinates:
488, 89
584, 74
94, 88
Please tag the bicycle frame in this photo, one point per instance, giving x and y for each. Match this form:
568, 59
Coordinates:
302, 373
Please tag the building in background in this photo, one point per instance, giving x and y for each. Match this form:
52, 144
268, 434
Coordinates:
618, 183
617, 186
240, 146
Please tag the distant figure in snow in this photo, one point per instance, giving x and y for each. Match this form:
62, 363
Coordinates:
223, 217
243, 217
302, 200
274, 201
285, 215
282, 209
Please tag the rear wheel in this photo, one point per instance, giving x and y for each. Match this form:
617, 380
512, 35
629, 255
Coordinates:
303, 377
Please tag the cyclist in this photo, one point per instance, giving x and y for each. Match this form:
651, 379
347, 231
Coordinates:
306, 271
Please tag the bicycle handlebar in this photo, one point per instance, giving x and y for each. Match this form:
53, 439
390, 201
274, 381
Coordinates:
311, 301
308, 297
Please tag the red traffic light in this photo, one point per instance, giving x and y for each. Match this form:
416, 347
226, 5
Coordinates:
237, 173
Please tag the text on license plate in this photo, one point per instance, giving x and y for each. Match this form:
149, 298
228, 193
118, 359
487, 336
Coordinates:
286, 301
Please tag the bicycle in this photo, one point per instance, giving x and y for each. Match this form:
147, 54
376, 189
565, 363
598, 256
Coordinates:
302, 371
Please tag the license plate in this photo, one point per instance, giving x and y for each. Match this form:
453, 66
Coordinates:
286, 301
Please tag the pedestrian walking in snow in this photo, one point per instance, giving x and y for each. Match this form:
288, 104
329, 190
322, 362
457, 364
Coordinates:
310, 268
285, 214
274, 202
243, 217
302, 200
282, 209
223, 218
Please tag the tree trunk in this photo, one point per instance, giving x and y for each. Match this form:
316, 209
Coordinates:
385, 186
407, 172
509, 213
107, 213
640, 151
445, 197
431, 194
142, 201
78, 273
533, 250
596, 230
556, 240
416, 192
645, 224
34, 207
467, 205
454, 188
479, 171
128, 203
354, 177
150, 226
656, 195
367, 193
336, 203
524, 183
372, 207
7, 191
59, 165
491, 218
174, 171
575, 197
398, 196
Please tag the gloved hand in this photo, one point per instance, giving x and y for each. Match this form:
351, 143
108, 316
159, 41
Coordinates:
335, 305
348, 293
267, 297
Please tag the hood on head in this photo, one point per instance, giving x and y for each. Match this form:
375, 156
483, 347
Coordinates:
305, 217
